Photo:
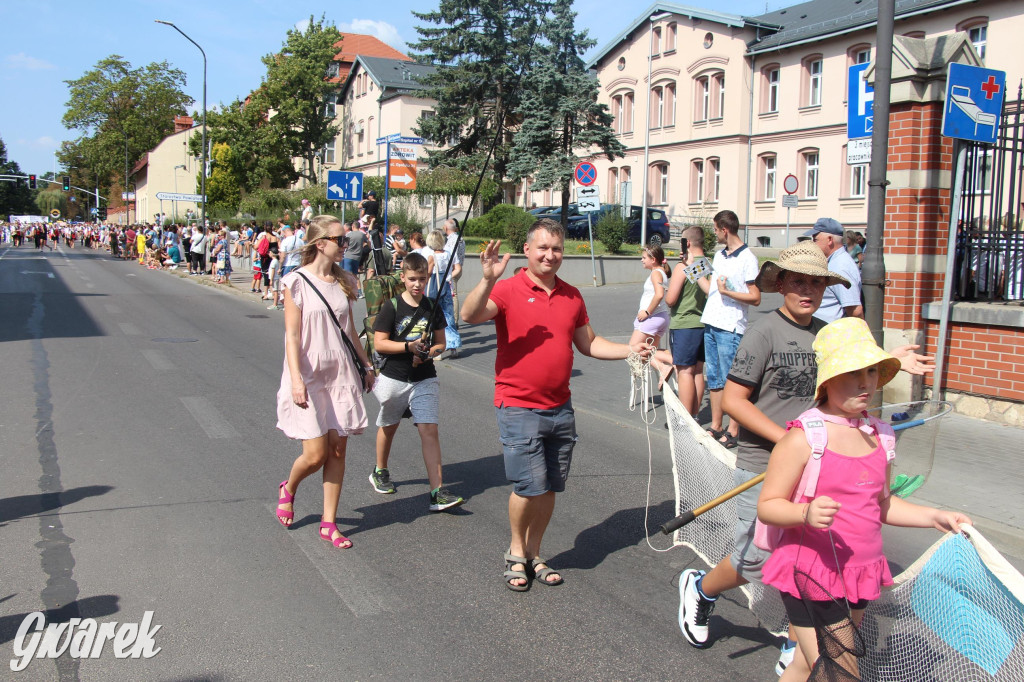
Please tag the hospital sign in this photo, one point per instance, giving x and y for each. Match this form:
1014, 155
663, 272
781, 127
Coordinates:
974, 103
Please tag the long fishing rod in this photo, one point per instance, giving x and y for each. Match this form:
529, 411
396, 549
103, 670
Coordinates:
480, 180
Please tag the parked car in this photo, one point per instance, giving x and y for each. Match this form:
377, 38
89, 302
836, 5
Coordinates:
658, 228
543, 211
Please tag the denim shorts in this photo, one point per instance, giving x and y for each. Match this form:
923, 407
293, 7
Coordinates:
719, 352
687, 346
537, 445
351, 265
747, 558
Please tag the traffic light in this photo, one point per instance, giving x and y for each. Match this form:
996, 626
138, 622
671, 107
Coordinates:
101, 213
32, 181
67, 183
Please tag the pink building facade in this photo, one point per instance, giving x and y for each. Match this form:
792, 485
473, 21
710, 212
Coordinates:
733, 105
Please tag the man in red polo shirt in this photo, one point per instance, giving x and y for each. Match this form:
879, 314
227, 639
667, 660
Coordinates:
537, 318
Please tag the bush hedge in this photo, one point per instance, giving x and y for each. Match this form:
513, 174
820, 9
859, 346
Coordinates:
611, 231
504, 221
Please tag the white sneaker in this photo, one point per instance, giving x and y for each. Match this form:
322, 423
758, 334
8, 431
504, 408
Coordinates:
786, 655
694, 610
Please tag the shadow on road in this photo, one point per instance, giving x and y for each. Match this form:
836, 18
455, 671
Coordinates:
12, 508
618, 531
90, 607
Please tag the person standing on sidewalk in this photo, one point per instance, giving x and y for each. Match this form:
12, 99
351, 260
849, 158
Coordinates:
538, 319
731, 293
291, 251
320, 400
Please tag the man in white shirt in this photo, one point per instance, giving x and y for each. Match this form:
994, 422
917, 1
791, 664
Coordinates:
290, 251
838, 301
732, 291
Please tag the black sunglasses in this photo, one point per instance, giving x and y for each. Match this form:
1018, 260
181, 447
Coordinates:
339, 240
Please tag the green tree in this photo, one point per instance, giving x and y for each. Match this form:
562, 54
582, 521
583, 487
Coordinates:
559, 110
15, 197
294, 93
49, 199
259, 152
222, 189
115, 106
481, 48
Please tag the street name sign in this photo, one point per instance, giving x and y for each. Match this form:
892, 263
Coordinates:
860, 103
344, 185
175, 196
974, 103
588, 199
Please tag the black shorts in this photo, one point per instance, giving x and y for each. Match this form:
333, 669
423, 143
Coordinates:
810, 613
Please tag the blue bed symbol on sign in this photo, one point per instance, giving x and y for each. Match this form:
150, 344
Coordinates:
974, 103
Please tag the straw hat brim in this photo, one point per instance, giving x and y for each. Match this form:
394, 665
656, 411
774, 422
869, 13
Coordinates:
854, 356
768, 277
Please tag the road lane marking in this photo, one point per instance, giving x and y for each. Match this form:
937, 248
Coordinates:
351, 578
129, 328
209, 418
159, 361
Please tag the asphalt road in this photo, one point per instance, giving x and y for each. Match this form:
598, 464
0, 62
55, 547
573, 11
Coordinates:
141, 461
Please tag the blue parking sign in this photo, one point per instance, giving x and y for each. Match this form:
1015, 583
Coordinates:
344, 185
860, 110
974, 103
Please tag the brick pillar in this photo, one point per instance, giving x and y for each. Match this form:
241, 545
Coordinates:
916, 227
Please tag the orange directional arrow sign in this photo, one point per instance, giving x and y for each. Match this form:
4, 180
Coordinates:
402, 167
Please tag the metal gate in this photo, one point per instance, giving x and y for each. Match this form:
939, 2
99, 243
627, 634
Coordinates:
990, 240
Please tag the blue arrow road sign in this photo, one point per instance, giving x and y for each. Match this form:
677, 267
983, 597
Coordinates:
974, 103
344, 185
861, 104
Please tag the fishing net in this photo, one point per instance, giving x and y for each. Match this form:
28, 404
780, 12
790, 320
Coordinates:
917, 431
703, 469
957, 613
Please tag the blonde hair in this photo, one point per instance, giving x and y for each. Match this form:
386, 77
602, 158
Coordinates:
319, 226
435, 240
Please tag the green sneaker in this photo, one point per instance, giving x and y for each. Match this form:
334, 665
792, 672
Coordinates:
442, 499
381, 481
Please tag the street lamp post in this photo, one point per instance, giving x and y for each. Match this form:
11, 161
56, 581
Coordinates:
174, 204
203, 177
647, 128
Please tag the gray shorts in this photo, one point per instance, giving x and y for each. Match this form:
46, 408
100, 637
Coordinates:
747, 558
537, 445
395, 397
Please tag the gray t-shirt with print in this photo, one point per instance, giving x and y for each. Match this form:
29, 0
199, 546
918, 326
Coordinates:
776, 360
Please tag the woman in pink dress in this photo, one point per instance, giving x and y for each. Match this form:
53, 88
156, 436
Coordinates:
833, 535
320, 400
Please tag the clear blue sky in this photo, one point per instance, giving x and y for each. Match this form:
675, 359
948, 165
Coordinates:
49, 41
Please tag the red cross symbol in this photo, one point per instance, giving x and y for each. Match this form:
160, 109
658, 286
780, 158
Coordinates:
990, 87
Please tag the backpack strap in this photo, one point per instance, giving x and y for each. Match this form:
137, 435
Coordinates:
817, 438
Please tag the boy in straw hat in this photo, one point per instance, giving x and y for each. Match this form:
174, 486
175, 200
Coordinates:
772, 380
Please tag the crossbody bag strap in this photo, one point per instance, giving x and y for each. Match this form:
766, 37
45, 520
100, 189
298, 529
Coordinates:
341, 330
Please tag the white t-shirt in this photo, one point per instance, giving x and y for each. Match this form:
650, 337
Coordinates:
293, 247
740, 270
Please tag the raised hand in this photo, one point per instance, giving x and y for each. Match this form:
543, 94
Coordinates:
492, 264
911, 362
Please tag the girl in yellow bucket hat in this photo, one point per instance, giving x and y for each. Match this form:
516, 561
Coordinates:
827, 487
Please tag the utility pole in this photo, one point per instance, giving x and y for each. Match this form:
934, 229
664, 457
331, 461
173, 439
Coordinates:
873, 272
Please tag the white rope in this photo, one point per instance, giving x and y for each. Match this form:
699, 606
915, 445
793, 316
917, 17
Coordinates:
640, 381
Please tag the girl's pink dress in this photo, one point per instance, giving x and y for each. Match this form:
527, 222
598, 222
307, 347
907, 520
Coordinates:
327, 368
857, 484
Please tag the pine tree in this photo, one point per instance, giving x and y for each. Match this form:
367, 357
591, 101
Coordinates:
559, 110
481, 48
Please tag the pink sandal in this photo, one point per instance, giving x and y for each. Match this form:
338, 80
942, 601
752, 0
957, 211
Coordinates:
341, 542
282, 514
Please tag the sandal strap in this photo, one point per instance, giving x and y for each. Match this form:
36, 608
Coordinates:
513, 559
288, 497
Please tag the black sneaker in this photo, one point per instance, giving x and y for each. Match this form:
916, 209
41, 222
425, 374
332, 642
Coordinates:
443, 499
381, 481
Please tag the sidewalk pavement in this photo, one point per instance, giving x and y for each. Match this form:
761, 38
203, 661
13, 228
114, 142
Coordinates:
977, 464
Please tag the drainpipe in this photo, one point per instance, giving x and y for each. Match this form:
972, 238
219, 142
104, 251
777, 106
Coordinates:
750, 149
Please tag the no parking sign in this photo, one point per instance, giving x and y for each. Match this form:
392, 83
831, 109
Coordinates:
585, 173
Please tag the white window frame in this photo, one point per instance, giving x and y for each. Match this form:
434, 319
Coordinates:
698, 170
720, 84
331, 105
772, 78
333, 70
662, 170
812, 169
716, 176
978, 36
859, 180
770, 174
814, 82
329, 152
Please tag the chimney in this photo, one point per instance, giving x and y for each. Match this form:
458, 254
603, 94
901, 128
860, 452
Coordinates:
182, 123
